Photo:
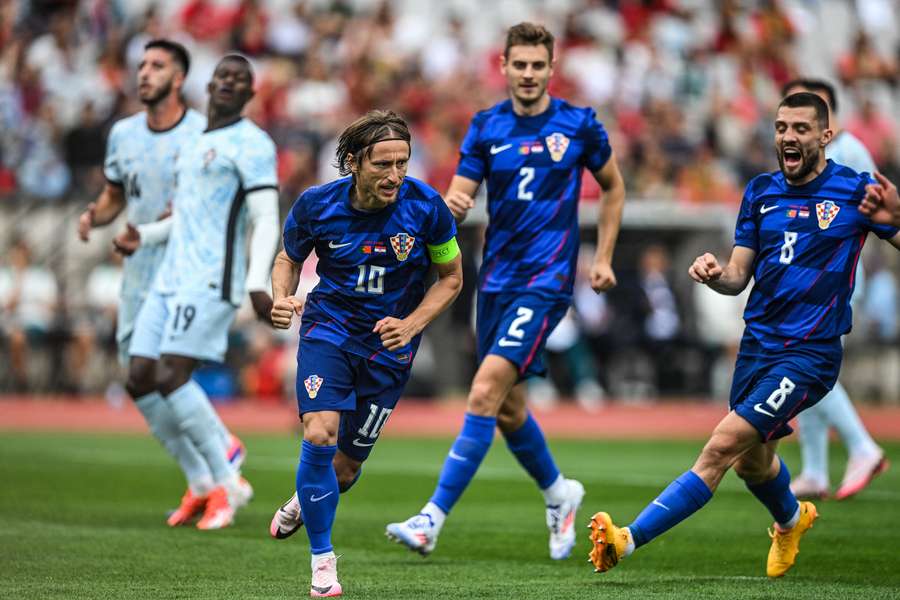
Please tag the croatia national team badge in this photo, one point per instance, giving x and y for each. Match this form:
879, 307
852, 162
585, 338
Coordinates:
826, 212
557, 144
313, 383
402, 244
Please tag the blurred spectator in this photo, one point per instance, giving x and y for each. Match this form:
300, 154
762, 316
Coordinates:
28, 299
681, 86
876, 130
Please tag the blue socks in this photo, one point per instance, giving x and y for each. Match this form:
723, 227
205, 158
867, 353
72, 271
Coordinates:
684, 496
463, 460
776, 495
528, 445
317, 490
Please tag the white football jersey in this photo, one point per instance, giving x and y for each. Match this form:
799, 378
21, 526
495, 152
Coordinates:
142, 161
846, 149
207, 250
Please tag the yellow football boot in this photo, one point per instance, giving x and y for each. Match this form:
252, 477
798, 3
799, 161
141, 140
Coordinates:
786, 545
609, 542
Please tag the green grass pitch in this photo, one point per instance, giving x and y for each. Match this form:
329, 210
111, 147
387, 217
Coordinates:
82, 516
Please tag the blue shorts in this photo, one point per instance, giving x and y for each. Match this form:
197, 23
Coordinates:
516, 326
771, 386
363, 391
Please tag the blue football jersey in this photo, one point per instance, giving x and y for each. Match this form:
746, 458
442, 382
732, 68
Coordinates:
807, 240
371, 264
533, 167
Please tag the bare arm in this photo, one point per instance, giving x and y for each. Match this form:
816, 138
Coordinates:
881, 202
460, 196
396, 333
730, 280
610, 180
103, 211
285, 279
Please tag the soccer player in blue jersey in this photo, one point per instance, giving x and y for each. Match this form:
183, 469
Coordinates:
226, 182
865, 459
140, 179
532, 150
377, 234
799, 235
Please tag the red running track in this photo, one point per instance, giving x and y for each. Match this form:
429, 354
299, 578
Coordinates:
683, 420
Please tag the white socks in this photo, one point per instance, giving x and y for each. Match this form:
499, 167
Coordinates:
165, 428
556, 493
198, 420
437, 515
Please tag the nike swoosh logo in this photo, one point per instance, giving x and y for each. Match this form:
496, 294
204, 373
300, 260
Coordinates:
316, 499
766, 209
456, 456
499, 149
331, 244
660, 504
505, 342
321, 590
757, 408
356, 442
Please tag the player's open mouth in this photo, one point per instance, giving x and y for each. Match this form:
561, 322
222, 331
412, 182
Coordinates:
792, 157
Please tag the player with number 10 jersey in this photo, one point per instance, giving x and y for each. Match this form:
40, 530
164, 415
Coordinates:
377, 234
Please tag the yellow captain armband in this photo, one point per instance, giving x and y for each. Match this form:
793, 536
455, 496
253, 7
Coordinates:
443, 253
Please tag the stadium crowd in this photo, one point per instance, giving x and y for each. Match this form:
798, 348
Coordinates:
684, 87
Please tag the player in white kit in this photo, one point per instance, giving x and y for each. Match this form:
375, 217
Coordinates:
140, 173
226, 180
865, 458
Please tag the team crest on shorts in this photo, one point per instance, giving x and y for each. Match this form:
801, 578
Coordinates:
826, 212
313, 383
402, 244
557, 144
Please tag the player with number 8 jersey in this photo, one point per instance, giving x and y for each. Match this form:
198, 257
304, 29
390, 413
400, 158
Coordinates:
377, 234
799, 235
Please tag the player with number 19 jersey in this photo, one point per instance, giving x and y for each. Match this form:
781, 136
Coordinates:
533, 166
371, 265
807, 240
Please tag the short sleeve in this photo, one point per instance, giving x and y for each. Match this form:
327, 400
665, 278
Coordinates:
297, 235
112, 162
596, 143
443, 225
746, 232
472, 161
257, 164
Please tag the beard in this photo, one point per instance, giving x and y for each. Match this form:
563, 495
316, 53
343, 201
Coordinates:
809, 160
156, 96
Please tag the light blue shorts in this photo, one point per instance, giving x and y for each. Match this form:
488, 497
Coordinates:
182, 325
125, 319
